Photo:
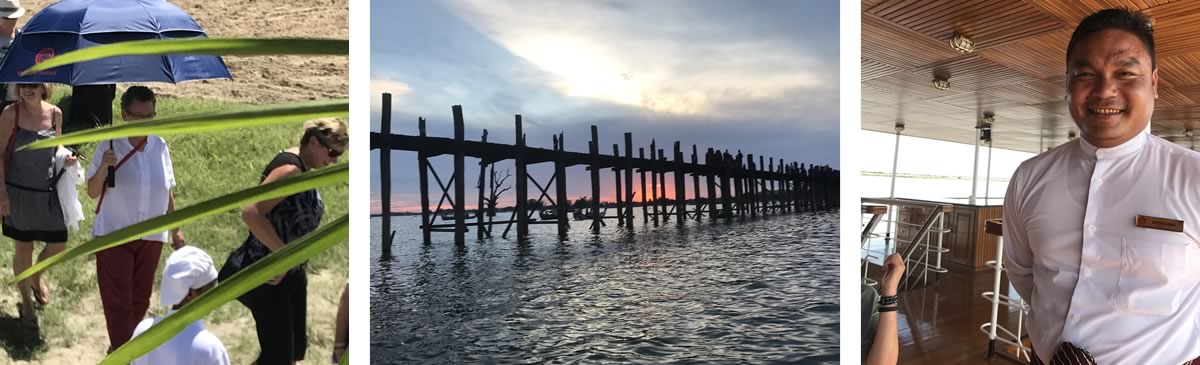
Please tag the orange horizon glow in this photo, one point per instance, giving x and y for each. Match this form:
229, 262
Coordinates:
607, 195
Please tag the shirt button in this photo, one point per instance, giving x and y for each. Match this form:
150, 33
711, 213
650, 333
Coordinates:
1099, 182
1074, 318
1086, 273
1091, 229
1100, 154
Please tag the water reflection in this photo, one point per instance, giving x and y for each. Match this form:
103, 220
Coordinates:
759, 291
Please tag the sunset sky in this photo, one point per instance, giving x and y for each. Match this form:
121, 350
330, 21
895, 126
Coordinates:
758, 76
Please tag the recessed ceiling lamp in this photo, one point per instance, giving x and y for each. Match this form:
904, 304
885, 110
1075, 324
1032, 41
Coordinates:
961, 43
941, 83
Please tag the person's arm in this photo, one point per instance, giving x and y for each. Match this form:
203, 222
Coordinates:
57, 116
101, 160
7, 118
255, 215
177, 241
1018, 257
885, 350
341, 332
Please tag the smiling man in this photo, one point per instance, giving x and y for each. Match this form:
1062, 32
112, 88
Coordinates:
1101, 232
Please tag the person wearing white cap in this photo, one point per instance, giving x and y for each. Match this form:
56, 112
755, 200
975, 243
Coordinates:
189, 272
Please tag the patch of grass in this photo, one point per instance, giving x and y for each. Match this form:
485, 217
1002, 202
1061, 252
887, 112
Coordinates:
206, 166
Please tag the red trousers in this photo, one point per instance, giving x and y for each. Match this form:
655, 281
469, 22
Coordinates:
126, 276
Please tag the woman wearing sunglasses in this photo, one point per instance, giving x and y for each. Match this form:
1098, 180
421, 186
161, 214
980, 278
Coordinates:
279, 305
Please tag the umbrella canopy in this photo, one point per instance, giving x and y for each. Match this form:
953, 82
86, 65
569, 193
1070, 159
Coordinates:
75, 24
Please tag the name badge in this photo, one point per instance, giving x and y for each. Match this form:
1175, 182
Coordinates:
1166, 224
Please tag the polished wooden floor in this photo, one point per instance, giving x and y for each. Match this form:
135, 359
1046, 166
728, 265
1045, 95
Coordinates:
939, 324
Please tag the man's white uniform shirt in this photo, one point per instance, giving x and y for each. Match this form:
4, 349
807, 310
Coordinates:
1126, 294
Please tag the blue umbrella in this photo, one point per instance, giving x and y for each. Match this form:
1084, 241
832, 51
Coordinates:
75, 24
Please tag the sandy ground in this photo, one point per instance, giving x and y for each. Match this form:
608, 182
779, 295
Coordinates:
90, 340
271, 78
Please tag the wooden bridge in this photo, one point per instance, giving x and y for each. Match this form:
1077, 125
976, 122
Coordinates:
735, 185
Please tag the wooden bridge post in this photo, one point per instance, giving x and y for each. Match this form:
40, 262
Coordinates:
642, 156
522, 184
560, 182
751, 187
662, 185
680, 187
789, 180
778, 189
629, 180
423, 165
653, 182
479, 212
594, 149
385, 176
460, 208
710, 171
802, 194
617, 176
696, 183
726, 168
739, 199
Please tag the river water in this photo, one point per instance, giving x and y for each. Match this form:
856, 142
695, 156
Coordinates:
761, 291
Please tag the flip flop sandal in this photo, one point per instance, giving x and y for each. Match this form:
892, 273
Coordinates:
41, 294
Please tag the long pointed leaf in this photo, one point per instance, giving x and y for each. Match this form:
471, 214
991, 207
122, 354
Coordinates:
217, 46
332, 175
345, 358
249, 278
206, 122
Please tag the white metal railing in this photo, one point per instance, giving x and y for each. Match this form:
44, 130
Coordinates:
923, 249
993, 327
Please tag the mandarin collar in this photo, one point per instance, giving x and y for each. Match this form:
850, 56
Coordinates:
1129, 147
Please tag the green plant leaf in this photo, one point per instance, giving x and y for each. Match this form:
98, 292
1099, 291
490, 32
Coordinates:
339, 173
249, 278
345, 358
216, 46
206, 122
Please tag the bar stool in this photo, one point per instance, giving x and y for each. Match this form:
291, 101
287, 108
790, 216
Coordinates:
995, 227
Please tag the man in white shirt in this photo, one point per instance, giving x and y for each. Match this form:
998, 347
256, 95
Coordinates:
141, 188
189, 272
1101, 233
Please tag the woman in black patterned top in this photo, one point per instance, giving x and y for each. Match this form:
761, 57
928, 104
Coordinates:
279, 305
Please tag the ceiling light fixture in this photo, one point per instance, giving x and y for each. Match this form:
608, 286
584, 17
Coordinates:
961, 43
941, 83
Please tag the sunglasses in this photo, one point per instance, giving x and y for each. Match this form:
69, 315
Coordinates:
333, 153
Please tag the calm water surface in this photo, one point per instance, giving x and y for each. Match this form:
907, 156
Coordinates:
760, 291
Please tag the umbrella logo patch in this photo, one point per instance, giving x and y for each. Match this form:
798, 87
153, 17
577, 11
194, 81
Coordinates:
43, 55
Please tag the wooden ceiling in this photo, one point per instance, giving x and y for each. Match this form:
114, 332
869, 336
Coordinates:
1017, 71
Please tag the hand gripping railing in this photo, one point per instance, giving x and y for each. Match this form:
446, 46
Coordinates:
995, 227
